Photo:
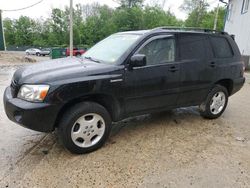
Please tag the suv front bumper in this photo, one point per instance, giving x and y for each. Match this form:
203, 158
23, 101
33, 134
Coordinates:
36, 116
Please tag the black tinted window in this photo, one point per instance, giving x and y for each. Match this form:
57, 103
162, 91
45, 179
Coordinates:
192, 46
221, 47
159, 51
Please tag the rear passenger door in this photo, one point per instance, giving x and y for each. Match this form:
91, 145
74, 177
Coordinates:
193, 51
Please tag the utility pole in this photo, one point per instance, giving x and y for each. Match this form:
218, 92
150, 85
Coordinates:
216, 17
163, 4
2, 40
71, 29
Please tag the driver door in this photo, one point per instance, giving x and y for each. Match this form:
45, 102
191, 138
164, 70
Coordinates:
155, 85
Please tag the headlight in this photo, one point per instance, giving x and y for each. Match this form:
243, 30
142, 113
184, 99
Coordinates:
33, 93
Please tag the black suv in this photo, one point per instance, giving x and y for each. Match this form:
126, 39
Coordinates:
126, 74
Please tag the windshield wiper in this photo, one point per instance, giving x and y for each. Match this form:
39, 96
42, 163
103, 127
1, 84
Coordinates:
92, 59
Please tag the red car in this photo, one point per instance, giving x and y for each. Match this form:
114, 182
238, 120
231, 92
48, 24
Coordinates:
76, 52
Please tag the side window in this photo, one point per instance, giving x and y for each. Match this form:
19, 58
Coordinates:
192, 46
245, 6
159, 51
221, 47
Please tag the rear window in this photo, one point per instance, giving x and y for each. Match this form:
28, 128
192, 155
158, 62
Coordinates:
221, 47
192, 46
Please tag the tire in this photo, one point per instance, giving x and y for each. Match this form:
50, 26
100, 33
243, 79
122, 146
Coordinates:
76, 131
78, 54
38, 54
215, 103
27, 53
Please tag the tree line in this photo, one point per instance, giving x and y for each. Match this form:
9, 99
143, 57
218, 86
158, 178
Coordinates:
94, 22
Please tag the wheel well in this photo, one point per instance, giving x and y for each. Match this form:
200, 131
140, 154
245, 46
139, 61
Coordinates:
227, 83
106, 101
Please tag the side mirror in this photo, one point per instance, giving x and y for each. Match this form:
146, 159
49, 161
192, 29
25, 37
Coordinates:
138, 60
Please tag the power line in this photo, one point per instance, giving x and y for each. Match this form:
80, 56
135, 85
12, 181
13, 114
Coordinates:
24, 7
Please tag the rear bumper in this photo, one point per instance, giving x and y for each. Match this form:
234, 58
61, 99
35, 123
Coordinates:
237, 84
36, 116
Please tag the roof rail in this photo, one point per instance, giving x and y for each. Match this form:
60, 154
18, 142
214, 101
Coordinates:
192, 29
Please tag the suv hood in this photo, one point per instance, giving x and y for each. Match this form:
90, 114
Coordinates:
61, 70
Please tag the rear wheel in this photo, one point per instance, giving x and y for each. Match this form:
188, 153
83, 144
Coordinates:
85, 127
215, 103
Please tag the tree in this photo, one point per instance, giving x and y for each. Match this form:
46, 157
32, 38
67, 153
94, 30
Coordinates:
208, 21
128, 19
41, 33
196, 10
89, 10
191, 5
156, 16
100, 21
157, 3
24, 33
9, 31
99, 26
130, 3
58, 24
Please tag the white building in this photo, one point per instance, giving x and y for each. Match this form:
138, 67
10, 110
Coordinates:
238, 23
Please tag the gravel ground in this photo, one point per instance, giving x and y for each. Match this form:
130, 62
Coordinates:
17, 58
170, 149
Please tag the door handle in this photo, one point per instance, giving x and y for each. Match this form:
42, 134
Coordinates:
212, 64
173, 69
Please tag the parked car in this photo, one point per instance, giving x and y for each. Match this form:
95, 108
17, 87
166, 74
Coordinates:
76, 52
126, 74
33, 51
45, 51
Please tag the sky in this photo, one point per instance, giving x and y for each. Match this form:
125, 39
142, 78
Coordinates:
43, 9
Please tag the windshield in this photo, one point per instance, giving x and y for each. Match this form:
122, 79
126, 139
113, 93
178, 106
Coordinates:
112, 48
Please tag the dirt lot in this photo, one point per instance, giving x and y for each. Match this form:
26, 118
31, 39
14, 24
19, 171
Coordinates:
15, 58
174, 149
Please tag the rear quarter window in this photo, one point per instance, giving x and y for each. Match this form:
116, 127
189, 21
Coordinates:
221, 47
192, 46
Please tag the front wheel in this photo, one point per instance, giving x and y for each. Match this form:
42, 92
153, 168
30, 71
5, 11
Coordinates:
85, 127
215, 104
